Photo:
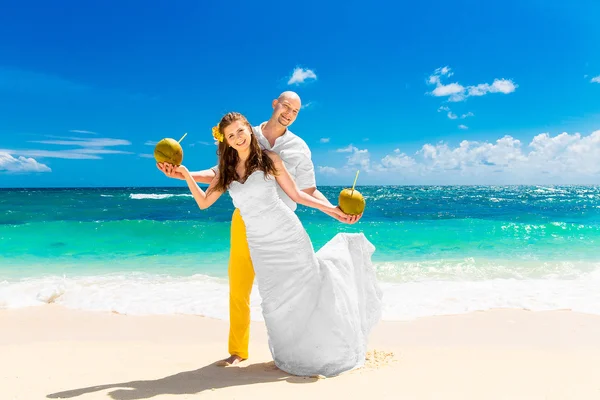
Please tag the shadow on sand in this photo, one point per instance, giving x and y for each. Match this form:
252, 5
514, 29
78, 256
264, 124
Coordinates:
191, 382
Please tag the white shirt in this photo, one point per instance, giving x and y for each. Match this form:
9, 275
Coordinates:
296, 157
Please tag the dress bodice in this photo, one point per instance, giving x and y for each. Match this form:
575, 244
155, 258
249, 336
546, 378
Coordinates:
257, 194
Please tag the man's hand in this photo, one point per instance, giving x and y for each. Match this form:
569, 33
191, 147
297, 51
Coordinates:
170, 170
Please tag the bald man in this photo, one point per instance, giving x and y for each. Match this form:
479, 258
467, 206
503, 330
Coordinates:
275, 136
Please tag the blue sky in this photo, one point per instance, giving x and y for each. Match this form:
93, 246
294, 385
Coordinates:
444, 92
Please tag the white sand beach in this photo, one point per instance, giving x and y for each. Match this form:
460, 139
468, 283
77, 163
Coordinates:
54, 352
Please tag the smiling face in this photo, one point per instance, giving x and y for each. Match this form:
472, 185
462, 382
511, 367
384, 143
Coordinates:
238, 135
286, 108
239, 145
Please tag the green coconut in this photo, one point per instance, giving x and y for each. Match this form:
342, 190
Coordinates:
351, 202
169, 151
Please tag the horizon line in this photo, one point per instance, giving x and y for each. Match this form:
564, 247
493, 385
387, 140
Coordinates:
319, 186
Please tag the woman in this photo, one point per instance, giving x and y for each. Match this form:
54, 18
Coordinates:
318, 308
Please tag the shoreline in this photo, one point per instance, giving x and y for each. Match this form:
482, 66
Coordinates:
200, 294
52, 351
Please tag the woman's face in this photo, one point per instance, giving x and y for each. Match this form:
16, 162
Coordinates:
238, 135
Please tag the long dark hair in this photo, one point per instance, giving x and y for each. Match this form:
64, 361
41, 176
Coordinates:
229, 158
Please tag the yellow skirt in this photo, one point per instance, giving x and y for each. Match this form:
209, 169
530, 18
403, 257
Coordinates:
241, 277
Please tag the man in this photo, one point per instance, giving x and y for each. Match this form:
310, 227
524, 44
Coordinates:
275, 136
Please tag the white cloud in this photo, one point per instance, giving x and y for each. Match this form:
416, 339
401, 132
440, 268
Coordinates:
361, 159
454, 90
324, 140
564, 158
439, 72
8, 163
358, 158
79, 131
452, 115
64, 154
146, 155
77, 148
150, 143
328, 170
397, 162
85, 142
202, 143
348, 149
300, 75
498, 86
457, 92
596, 79
309, 104
100, 151
469, 155
461, 126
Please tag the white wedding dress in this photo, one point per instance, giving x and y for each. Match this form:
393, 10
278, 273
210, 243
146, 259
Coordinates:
319, 308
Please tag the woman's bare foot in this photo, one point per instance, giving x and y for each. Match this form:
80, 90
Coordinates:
231, 360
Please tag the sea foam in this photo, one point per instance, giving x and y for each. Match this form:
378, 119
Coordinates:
147, 294
155, 196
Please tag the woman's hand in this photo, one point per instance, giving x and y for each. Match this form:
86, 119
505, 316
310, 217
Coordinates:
182, 170
169, 170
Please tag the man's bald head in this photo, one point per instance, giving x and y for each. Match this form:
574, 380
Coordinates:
290, 96
286, 108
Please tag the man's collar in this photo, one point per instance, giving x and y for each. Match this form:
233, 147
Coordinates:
259, 131
262, 125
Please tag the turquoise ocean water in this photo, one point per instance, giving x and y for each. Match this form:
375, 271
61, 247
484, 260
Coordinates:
440, 249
